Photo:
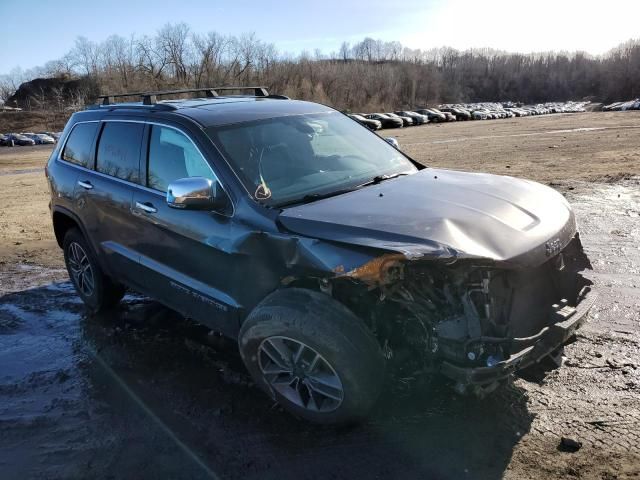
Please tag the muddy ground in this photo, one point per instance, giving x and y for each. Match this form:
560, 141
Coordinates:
141, 393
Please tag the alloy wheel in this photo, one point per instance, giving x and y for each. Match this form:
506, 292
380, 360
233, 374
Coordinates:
300, 374
80, 268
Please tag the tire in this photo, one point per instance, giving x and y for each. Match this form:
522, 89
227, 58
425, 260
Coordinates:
340, 372
98, 292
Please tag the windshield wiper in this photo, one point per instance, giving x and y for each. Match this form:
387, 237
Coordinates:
381, 178
312, 197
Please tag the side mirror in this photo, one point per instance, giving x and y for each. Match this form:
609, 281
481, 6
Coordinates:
392, 141
195, 193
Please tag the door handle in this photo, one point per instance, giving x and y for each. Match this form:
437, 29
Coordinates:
85, 184
146, 207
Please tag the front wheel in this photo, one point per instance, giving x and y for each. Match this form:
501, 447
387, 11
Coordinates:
97, 291
313, 356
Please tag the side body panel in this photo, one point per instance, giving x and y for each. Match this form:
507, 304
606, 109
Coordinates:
182, 263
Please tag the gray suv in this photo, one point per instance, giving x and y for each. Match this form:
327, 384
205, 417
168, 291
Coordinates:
336, 261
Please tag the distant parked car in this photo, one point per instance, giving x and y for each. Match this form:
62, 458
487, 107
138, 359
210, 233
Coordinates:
459, 113
612, 106
19, 139
433, 116
479, 115
630, 105
32, 136
54, 135
386, 120
5, 141
418, 119
449, 117
40, 138
406, 121
367, 122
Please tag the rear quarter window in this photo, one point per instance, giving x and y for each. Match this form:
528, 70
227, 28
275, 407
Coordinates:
78, 147
118, 152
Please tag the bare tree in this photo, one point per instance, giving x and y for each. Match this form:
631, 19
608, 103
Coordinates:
209, 50
86, 55
151, 61
173, 40
118, 58
345, 51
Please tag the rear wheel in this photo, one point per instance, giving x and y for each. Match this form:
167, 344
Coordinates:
314, 356
96, 290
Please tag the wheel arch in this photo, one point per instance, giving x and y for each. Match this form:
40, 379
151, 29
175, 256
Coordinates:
344, 292
63, 221
312, 293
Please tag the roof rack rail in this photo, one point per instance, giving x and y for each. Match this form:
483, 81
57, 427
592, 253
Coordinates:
157, 106
151, 98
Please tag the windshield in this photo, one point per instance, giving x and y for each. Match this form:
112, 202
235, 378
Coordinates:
287, 159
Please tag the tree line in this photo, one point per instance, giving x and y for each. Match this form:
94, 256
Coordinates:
369, 75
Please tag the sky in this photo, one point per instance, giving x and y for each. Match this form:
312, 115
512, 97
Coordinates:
46, 30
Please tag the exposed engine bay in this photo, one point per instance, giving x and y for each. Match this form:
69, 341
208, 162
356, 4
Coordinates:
467, 314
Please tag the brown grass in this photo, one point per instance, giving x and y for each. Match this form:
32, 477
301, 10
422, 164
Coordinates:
12, 122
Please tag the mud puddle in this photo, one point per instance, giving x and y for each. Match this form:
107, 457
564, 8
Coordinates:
143, 393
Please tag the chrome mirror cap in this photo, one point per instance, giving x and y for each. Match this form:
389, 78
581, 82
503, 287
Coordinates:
197, 193
392, 141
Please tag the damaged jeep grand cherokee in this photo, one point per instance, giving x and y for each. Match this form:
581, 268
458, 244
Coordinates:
329, 254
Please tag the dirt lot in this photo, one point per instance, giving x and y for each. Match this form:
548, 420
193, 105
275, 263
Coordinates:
143, 394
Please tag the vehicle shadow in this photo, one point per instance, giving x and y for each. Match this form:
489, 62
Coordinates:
159, 396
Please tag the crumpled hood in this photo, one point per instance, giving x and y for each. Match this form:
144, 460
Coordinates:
444, 214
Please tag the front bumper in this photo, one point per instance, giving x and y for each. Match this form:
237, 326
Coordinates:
543, 343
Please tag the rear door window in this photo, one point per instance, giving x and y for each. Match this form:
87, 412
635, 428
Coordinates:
118, 152
78, 147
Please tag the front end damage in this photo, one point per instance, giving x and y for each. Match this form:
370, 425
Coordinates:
475, 321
